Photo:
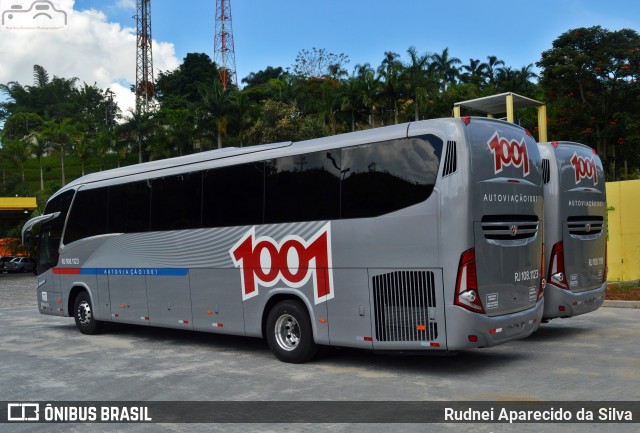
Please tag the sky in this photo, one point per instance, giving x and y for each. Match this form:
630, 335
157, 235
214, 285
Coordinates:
97, 45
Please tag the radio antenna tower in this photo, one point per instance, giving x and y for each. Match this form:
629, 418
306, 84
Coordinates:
224, 54
145, 87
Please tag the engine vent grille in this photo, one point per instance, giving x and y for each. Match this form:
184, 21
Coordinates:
402, 300
585, 225
509, 227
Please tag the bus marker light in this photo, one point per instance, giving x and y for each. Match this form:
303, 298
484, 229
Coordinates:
495, 331
434, 344
217, 325
555, 144
123, 306
421, 327
144, 318
368, 339
209, 312
323, 320
562, 308
575, 303
183, 322
472, 338
59, 301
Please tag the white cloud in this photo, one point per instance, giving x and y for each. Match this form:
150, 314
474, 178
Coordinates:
126, 4
91, 49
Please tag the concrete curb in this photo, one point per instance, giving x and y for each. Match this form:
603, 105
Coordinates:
622, 304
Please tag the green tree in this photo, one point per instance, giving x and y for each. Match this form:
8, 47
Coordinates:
590, 81
283, 122
476, 72
419, 79
57, 135
391, 73
445, 67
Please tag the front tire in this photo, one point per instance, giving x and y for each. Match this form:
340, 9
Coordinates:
83, 313
289, 332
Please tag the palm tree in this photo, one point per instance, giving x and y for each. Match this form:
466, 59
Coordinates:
445, 67
83, 148
58, 135
368, 88
492, 68
39, 148
418, 79
476, 72
218, 103
18, 152
391, 73
518, 81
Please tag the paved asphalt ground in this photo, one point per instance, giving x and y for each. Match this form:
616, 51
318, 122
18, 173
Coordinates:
591, 357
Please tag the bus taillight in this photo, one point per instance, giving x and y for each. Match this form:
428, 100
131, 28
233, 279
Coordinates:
466, 295
557, 276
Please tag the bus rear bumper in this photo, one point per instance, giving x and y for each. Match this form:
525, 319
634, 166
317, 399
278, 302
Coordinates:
565, 303
468, 330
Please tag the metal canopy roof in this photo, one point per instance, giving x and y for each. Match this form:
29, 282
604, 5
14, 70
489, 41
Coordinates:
497, 104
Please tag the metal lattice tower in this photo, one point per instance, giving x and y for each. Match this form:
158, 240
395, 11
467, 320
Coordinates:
145, 85
223, 52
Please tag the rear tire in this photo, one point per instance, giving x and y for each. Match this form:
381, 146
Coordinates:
289, 332
83, 313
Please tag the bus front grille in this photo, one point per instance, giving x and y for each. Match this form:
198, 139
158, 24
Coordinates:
507, 227
585, 225
402, 302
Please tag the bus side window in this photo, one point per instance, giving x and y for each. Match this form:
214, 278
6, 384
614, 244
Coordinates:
387, 176
88, 215
176, 202
302, 188
233, 196
129, 207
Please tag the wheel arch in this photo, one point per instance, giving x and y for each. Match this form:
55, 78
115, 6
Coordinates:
287, 296
73, 294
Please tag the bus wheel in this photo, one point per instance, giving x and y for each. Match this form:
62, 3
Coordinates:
289, 332
85, 321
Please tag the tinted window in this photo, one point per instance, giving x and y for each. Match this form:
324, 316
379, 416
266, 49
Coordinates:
233, 196
51, 232
129, 207
303, 187
176, 202
383, 177
88, 215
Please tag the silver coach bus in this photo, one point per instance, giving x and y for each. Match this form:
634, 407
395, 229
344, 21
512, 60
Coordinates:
575, 217
421, 236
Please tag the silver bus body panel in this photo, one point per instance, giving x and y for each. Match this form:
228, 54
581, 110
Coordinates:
393, 276
573, 199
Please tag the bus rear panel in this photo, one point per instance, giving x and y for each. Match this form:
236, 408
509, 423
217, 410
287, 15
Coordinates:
575, 229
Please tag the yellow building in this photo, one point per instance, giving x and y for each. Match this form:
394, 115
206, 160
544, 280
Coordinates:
623, 242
